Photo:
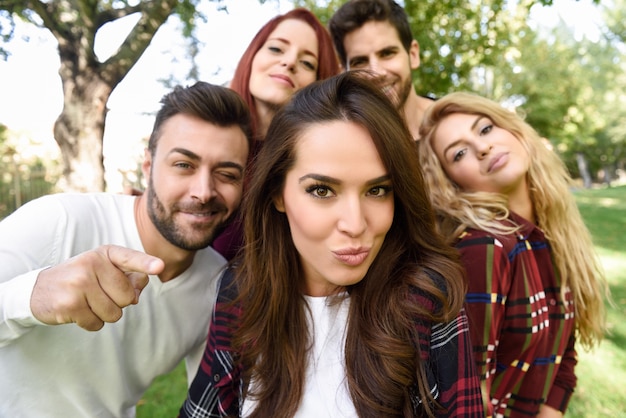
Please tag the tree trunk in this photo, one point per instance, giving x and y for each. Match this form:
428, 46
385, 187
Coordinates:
583, 169
87, 82
79, 131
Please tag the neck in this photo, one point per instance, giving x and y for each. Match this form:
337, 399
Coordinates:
413, 111
521, 204
176, 259
264, 114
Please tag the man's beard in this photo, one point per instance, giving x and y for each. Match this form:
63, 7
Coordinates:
397, 98
166, 225
403, 95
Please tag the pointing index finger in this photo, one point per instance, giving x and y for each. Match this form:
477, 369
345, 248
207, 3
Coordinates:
128, 260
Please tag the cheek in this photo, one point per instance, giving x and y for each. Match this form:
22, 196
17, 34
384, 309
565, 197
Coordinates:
305, 78
382, 218
307, 224
256, 69
231, 194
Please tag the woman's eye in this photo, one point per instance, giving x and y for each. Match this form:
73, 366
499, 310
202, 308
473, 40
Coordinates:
485, 130
379, 191
274, 49
459, 154
320, 191
309, 65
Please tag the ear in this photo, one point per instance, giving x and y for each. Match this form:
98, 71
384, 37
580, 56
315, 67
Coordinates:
279, 204
146, 166
414, 55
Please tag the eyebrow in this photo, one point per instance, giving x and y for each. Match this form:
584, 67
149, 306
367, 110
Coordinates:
286, 41
332, 180
192, 155
446, 149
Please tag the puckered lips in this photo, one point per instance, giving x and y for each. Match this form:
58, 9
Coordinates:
352, 256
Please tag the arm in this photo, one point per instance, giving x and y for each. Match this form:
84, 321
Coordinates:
451, 358
488, 271
31, 239
215, 390
87, 289
564, 383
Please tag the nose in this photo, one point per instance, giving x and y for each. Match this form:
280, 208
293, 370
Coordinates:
203, 187
375, 67
352, 220
483, 149
289, 61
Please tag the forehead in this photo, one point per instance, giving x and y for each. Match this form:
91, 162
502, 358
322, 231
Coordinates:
202, 138
453, 125
297, 32
340, 149
371, 37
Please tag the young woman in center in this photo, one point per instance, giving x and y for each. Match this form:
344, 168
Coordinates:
346, 302
534, 283
289, 52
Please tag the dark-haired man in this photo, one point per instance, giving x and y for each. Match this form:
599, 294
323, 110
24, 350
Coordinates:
101, 293
375, 35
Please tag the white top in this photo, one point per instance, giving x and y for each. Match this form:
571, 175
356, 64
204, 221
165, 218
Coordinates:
65, 371
325, 389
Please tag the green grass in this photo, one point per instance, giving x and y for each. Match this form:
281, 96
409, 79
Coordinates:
165, 396
601, 373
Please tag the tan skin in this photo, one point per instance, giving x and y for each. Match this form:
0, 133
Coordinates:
376, 47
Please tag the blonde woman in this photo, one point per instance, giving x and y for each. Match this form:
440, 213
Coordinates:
535, 286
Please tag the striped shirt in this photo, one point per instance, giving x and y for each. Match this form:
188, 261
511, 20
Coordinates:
445, 351
521, 326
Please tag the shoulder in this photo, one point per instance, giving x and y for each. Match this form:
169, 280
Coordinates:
78, 203
74, 209
425, 298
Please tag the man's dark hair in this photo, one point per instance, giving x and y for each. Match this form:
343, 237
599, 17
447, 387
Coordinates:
355, 13
215, 104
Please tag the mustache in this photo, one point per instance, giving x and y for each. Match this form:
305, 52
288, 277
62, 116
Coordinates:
213, 205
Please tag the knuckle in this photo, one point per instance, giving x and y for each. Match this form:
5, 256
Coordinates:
113, 315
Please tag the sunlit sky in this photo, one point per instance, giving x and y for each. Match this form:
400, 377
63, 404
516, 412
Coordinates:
31, 88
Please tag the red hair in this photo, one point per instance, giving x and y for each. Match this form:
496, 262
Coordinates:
328, 64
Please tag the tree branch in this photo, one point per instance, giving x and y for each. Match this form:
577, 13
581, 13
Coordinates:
111, 14
153, 15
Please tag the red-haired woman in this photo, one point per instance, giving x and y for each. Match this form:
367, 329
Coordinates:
289, 52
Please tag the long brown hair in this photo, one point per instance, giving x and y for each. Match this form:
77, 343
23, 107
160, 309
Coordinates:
555, 208
382, 355
328, 63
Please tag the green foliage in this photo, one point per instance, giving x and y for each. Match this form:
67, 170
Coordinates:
571, 92
454, 36
21, 179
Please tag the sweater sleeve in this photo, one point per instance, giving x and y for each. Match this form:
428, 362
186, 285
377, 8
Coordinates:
457, 380
446, 351
565, 381
29, 241
488, 269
